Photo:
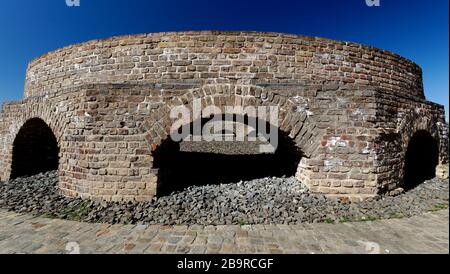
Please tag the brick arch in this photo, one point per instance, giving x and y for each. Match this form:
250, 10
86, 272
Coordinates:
47, 114
293, 118
417, 120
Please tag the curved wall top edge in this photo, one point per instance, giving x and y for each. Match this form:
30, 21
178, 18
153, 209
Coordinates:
221, 57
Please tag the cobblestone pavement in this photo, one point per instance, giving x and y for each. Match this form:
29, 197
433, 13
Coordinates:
428, 233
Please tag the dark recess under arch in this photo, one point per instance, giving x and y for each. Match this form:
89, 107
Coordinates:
421, 159
179, 169
35, 149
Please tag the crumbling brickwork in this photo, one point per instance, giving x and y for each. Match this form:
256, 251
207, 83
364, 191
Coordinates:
351, 109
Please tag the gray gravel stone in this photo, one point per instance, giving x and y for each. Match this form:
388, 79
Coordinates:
260, 201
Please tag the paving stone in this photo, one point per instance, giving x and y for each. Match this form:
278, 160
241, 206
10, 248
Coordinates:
174, 240
417, 236
215, 239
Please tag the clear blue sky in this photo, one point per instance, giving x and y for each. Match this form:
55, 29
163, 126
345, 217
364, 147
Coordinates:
416, 29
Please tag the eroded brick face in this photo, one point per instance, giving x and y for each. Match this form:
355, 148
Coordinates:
350, 109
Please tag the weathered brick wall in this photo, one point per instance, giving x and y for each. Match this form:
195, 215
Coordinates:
345, 160
221, 57
107, 156
398, 118
14, 115
102, 153
350, 109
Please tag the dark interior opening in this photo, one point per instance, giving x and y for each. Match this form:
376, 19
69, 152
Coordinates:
184, 164
421, 159
35, 149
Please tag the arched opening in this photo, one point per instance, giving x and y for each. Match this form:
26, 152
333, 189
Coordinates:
35, 149
183, 164
421, 159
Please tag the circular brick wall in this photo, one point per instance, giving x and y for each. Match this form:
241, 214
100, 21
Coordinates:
349, 109
221, 57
